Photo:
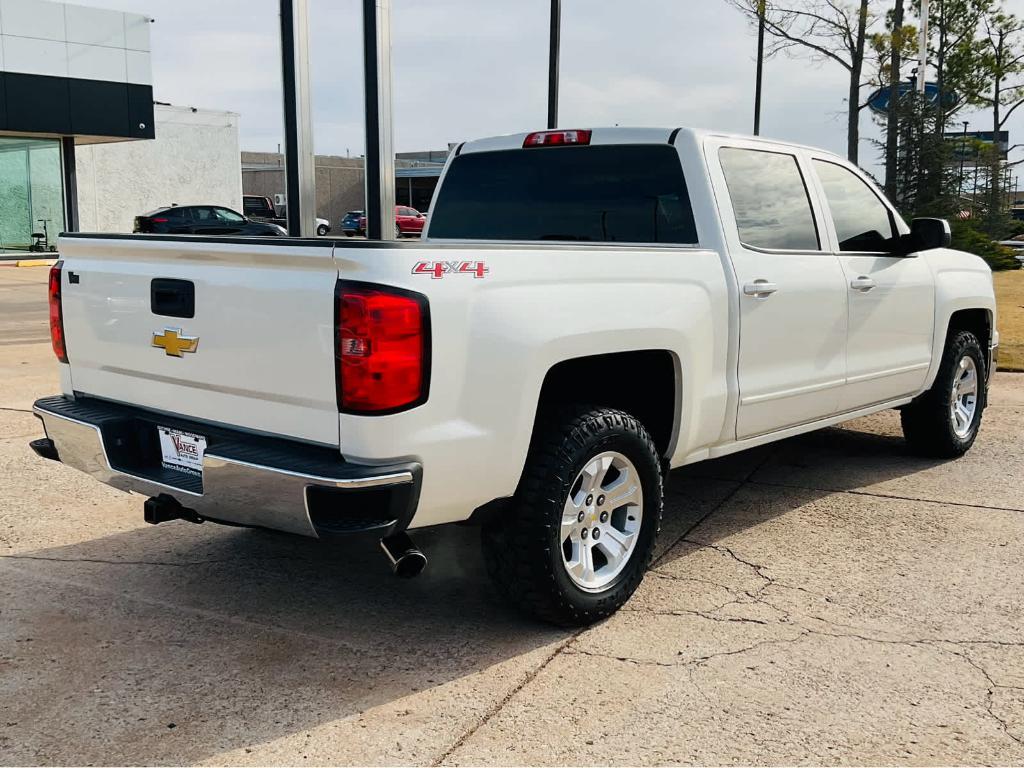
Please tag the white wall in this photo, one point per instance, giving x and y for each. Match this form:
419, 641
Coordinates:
195, 158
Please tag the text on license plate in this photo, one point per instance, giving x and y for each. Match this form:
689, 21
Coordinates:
181, 451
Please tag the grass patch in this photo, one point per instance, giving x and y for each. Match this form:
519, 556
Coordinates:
1010, 307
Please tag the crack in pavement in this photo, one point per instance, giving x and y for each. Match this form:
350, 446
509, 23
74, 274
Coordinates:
565, 647
879, 495
500, 705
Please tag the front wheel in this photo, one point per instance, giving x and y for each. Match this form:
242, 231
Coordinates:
584, 521
944, 421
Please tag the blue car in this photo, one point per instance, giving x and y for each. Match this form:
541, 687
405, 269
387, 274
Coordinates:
350, 224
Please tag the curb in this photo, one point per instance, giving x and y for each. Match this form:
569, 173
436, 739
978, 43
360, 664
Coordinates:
35, 263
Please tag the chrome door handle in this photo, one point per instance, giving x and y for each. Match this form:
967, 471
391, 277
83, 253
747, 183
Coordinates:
760, 289
862, 283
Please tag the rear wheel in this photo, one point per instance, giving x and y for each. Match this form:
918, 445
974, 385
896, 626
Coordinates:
944, 421
398, 232
322, 230
584, 521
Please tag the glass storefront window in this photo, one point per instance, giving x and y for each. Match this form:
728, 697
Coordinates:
31, 191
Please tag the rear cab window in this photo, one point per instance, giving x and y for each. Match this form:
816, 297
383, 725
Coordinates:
623, 193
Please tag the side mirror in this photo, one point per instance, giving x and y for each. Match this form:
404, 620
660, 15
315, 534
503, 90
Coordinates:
926, 234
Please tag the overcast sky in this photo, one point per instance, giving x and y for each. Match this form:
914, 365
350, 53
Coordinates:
470, 68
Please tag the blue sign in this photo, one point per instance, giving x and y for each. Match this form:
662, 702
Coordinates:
879, 101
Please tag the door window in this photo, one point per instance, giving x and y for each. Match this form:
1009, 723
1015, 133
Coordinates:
770, 200
228, 216
863, 223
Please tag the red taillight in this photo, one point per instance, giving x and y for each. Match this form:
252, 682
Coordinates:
57, 315
555, 138
159, 221
382, 348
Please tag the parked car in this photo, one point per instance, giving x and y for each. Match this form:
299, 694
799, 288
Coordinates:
202, 220
350, 225
408, 221
647, 299
323, 226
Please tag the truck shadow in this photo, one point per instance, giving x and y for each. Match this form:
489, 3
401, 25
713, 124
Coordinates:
183, 643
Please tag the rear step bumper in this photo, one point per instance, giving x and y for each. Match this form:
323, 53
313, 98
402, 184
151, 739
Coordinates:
249, 480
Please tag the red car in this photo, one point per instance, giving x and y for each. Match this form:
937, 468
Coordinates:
408, 221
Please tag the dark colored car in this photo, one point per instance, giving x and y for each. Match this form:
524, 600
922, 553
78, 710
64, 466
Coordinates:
350, 224
408, 221
258, 207
203, 220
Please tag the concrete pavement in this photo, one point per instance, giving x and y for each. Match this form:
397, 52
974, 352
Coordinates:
831, 599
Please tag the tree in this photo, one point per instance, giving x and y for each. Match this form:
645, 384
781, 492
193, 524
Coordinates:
826, 30
894, 79
955, 52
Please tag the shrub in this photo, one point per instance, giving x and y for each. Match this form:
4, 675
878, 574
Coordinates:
966, 237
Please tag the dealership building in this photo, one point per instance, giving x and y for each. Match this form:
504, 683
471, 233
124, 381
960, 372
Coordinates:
70, 75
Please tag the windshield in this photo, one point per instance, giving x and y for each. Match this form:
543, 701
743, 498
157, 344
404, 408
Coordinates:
605, 193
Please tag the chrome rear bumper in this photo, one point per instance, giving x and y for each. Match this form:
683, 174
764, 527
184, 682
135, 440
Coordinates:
246, 480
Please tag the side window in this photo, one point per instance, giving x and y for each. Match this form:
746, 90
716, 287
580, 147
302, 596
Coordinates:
176, 213
862, 221
202, 213
770, 200
223, 214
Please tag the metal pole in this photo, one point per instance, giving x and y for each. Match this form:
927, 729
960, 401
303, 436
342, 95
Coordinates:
553, 57
300, 178
922, 55
71, 221
760, 67
963, 154
380, 150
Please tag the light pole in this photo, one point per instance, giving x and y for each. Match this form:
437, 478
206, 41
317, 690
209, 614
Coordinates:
963, 153
553, 56
760, 67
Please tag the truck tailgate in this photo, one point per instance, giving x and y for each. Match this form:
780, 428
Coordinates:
263, 325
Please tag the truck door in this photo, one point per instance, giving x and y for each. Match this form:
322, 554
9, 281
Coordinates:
792, 304
891, 294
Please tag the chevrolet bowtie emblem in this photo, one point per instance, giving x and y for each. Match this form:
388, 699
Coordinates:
174, 343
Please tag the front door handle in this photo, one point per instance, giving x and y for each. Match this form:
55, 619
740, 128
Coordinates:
862, 283
760, 289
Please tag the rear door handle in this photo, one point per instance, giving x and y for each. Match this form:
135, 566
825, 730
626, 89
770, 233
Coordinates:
862, 283
760, 289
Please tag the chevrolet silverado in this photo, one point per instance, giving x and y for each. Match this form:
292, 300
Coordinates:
648, 298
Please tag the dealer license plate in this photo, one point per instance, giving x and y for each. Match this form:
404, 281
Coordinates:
181, 451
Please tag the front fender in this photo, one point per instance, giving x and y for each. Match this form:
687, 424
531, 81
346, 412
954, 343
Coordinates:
962, 281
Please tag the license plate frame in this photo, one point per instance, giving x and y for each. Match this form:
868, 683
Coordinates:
181, 450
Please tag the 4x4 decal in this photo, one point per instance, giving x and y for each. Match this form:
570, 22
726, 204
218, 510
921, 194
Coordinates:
438, 269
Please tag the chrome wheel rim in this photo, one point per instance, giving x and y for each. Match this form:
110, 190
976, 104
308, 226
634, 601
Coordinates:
601, 521
963, 400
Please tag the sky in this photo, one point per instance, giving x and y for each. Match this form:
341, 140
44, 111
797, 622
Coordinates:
466, 69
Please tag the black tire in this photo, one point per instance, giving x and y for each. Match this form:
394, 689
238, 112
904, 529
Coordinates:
322, 230
398, 232
928, 425
522, 549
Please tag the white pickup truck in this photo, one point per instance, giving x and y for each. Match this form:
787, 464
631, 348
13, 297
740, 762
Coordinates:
587, 310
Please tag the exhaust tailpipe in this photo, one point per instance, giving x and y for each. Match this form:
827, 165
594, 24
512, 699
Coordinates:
406, 560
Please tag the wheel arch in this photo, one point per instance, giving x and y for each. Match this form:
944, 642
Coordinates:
652, 394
